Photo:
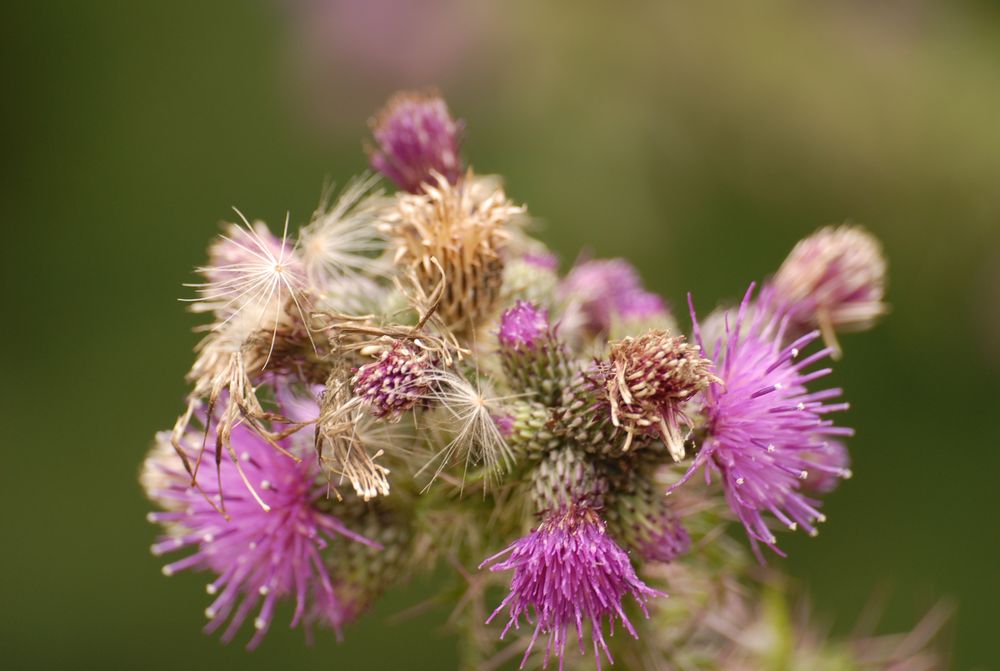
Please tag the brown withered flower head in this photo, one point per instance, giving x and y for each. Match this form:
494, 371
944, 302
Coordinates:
455, 234
647, 379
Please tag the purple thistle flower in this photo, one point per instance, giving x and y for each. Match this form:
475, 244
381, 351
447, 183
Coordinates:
523, 326
600, 291
417, 137
396, 382
763, 425
568, 572
259, 556
532, 357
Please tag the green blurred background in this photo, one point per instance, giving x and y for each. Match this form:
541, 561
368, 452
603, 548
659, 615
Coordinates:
700, 140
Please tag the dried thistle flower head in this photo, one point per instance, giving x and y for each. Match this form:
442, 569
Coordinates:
417, 139
340, 439
834, 280
455, 234
648, 378
251, 272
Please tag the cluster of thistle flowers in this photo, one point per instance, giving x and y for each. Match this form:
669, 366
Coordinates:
409, 381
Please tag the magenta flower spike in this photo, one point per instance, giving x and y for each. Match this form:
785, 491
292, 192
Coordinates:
259, 557
568, 572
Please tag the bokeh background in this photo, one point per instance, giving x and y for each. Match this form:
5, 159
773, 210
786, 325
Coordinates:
701, 140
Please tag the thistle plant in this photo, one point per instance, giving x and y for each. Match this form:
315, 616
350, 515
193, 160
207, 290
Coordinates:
407, 382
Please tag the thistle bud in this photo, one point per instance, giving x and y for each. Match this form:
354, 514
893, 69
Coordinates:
532, 357
417, 137
833, 280
531, 277
647, 379
640, 516
396, 382
564, 478
361, 574
583, 418
526, 428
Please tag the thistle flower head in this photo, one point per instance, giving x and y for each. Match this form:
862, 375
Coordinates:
396, 382
597, 293
762, 424
833, 280
252, 272
341, 242
417, 138
643, 518
453, 237
647, 379
523, 326
533, 359
259, 556
568, 573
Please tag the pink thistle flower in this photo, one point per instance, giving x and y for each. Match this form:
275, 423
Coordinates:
531, 355
259, 556
599, 292
763, 425
417, 138
568, 572
524, 326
